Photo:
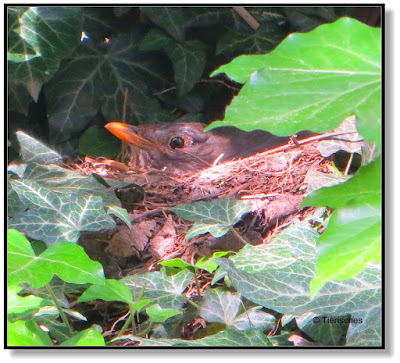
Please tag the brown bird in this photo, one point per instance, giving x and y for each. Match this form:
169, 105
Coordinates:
184, 146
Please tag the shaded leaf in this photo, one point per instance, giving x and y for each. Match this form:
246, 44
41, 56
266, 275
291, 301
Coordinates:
19, 98
98, 142
215, 217
263, 40
168, 18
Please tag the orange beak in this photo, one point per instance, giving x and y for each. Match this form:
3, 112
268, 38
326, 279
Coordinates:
127, 133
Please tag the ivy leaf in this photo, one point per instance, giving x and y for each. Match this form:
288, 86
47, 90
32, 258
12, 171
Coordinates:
164, 290
365, 187
39, 38
215, 217
98, 76
121, 213
351, 240
159, 315
168, 18
286, 287
98, 142
112, 290
220, 306
69, 184
86, 338
55, 218
26, 333
33, 151
261, 41
66, 260
312, 82
188, 59
19, 98
230, 337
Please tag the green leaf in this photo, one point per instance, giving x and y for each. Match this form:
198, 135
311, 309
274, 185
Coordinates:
98, 142
33, 151
26, 333
316, 179
164, 290
326, 330
263, 40
17, 304
220, 306
98, 76
39, 38
112, 290
284, 285
19, 98
155, 39
159, 315
215, 217
86, 338
312, 82
168, 18
66, 260
188, 60
351, 240
68, 183
177, 263
365, 187
254, 318
230, 337
53, 218
121, 213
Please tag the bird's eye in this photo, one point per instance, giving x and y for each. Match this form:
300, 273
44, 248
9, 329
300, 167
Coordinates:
177, 143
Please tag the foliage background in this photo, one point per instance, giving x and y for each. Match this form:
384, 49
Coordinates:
151, 65
63, 90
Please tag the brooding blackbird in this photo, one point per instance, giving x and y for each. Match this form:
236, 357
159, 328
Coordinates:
184, 146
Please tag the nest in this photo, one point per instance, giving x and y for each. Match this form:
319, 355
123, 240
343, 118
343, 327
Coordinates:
273, 183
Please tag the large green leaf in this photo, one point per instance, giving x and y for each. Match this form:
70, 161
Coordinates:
351, 240
215, 217
312, 82
26, 333
66, 260
53, 217
365, 187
